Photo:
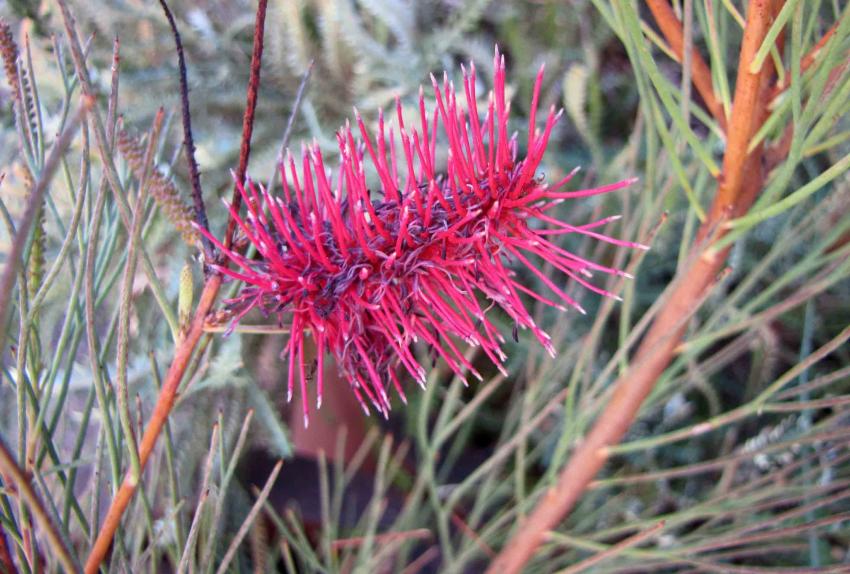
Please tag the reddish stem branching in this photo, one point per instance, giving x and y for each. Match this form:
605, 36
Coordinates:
162, 409
248, 117
737, 189
739, 183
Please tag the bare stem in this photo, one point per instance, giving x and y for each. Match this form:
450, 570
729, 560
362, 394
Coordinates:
126, 300
248, 117
162, 409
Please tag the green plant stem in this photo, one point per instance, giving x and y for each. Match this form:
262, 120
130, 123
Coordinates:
187, 343
91, 302
162, 409
104, 148
249, 520
615, 550
36, 198
12, 271
195, 528
672, 29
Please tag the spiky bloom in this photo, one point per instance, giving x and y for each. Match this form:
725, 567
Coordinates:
366, 275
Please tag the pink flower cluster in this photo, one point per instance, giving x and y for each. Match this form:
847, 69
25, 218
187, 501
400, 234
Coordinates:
368, 274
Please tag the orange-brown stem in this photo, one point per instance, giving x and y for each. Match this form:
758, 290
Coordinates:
186, 346
671, 27
739, 184
162, 409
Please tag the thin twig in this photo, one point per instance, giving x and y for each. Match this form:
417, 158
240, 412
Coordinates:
186, 346
287, 133
806, 62
194, 529
357, 541
614, 550
183, 352
126, 298
104, 145
234, 456
21, 483
36, 198
421, 561
248, 117
89, 287
671, 27
249, 520
188, 140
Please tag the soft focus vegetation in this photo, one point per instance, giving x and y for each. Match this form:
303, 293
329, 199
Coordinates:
739, 458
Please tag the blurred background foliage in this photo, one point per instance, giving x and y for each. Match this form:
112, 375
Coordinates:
741, 451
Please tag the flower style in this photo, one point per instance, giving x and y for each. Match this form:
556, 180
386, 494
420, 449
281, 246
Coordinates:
425, 259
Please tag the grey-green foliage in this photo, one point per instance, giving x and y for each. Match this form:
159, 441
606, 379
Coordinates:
741, 449
370, 51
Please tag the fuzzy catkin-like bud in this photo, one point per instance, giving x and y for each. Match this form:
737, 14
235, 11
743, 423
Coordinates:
185, 296
35, 263
132, 152
9, 52
161, 188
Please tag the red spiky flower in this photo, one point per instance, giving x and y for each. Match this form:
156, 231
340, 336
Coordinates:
366, 275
